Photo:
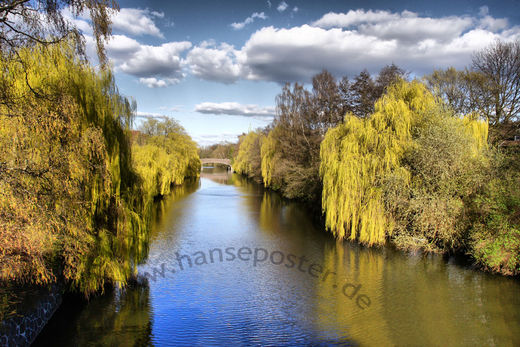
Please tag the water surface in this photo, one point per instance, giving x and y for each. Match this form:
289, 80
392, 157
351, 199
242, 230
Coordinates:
334, 292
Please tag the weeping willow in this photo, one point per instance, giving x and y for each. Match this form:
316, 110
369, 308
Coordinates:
476, 129
71, 204
358, 155
166, 158
247, 159
270, 159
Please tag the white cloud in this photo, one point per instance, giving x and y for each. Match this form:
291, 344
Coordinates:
132, 21
214, 63
234, 109
355, 17
295, 9
157, 14
152, 82
82, 21
346, 43
156, 61
248, 20
157, 66
405, 26
298, 53
483, 11
121, 47
137, 22
493, 24
282, 6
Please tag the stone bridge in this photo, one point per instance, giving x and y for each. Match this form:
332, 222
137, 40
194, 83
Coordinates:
226, 162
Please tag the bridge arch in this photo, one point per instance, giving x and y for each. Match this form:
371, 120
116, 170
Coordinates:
226, 162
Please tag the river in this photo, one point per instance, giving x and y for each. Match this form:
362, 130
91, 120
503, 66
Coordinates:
263, 272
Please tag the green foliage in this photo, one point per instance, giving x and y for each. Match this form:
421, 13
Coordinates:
402, 168
247, 160
165, 158
495, 214
72, 206
224, 150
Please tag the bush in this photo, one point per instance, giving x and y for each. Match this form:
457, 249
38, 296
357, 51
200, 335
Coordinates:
403, 171
495, 214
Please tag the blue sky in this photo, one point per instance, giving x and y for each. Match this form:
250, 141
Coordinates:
217, 66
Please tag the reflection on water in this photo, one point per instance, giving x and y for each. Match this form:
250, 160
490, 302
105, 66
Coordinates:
117, 318
413, 300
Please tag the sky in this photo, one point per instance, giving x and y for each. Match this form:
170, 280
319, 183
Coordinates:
217, 66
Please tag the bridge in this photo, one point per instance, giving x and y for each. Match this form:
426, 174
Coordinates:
226, 162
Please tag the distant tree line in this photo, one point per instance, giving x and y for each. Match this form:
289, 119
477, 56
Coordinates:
223, 150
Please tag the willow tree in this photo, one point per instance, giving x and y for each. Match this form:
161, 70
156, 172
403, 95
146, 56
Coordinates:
25, 23
247, 160
358, 156
271, 160
166, 158
70, 201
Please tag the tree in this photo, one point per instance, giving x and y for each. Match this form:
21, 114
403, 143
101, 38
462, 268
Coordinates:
290, 152
500, 65
388, 75
223, 150
362, 95
26, 22
464, 91
166, 156
248, 159
71, 205
364, 158
326, 99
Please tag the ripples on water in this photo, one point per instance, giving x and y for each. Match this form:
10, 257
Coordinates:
414, 300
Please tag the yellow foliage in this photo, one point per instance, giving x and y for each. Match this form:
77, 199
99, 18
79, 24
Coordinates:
269, 157
476, 129
71, 203
359, 154
247, 160
166, 160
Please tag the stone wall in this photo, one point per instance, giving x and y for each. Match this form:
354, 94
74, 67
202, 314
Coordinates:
22, 329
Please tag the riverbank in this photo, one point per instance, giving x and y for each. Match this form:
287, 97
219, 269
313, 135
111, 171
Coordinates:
457, 256
25, 310
412, 172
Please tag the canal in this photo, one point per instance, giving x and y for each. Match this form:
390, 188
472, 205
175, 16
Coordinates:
231, 263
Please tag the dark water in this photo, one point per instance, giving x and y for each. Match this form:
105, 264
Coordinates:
309, 290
